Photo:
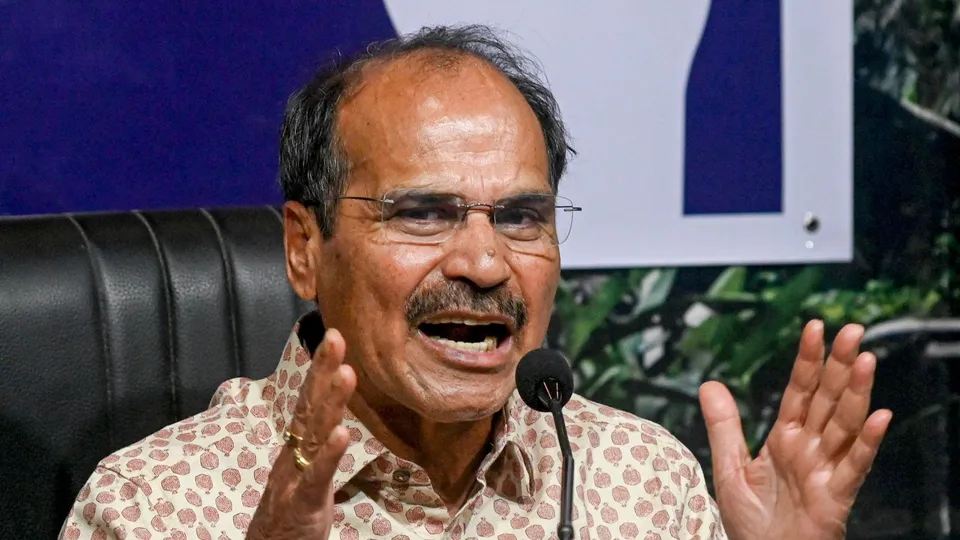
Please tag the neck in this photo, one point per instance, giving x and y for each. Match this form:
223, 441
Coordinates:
450, 453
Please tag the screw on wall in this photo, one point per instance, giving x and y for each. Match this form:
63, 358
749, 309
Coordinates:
811, 224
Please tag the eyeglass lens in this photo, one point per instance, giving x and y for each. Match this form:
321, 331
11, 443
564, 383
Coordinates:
433, 217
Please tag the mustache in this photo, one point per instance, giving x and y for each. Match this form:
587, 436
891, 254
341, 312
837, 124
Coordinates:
462, 296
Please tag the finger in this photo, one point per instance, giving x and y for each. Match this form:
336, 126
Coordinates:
310, 495
805, 377
728, 447
328, 413
328, 393
323, 368
851, 472
323, 446
847, 421
835, 378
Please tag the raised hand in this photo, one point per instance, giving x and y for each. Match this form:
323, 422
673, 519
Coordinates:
296, 503
804, 481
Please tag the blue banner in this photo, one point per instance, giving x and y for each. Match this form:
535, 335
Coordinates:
111, 105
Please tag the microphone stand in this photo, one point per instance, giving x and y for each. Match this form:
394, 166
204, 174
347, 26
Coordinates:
552, 400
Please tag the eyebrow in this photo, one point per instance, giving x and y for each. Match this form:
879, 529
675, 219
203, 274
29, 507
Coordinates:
437, 193
418, 192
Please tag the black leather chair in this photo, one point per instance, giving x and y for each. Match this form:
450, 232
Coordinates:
115, 325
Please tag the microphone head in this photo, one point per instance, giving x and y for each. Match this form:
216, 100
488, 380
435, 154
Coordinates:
537, 367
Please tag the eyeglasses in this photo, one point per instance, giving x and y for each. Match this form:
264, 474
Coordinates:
528, 219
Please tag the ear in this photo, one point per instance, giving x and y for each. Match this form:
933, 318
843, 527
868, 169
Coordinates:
303, 245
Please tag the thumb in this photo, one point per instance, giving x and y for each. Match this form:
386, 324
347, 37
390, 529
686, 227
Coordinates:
728, 447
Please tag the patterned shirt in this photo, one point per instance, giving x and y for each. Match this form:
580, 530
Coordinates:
203, 477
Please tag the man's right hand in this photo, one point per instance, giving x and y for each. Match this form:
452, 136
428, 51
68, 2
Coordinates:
299, 504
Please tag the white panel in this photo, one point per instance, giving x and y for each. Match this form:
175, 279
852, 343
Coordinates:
619, 70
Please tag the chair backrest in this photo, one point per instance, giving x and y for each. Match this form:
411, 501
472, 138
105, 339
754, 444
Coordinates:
114, 325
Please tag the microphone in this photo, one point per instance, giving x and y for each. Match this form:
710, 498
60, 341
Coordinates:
545, 383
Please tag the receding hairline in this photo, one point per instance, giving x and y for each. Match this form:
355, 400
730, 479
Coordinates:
432, 61
428, 64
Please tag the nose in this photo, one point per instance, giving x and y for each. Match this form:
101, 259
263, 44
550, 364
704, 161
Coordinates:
476, 253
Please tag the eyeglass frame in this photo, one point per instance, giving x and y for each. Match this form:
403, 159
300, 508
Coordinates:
464, 207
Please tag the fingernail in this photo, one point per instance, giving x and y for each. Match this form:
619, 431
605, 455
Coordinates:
327, 346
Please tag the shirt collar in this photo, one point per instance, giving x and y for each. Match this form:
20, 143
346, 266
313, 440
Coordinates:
515, 432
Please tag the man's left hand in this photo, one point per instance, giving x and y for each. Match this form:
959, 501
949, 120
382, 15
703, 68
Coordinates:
804, 480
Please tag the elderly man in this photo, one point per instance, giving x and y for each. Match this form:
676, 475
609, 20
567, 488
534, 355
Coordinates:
422, 217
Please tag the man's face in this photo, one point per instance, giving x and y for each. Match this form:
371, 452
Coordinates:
406, 309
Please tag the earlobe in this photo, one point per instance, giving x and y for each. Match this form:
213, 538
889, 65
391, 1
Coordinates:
301, 243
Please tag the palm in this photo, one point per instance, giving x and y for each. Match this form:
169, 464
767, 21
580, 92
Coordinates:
803, 482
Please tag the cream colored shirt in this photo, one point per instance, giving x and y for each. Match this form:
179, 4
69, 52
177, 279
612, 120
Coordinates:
203, 477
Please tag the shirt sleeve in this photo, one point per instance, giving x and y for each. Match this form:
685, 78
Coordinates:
700, 516
112, 506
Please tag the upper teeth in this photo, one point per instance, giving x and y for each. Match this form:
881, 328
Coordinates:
455, 320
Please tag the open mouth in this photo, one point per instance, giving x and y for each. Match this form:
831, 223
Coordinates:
466, 334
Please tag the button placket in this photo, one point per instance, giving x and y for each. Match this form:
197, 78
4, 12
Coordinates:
401, 476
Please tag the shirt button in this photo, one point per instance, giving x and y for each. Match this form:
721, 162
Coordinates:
401, 476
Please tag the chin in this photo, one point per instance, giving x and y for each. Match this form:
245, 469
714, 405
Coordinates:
464, 406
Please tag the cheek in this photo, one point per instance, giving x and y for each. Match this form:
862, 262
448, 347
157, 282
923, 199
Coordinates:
389, 275
538, 281
411, 260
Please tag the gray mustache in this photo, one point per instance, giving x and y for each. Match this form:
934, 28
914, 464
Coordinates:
461, 296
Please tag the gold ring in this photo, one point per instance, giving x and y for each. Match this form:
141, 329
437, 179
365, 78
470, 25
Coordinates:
293, 441
300, 461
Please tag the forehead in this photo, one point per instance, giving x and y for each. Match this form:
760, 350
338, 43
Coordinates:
454, 123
